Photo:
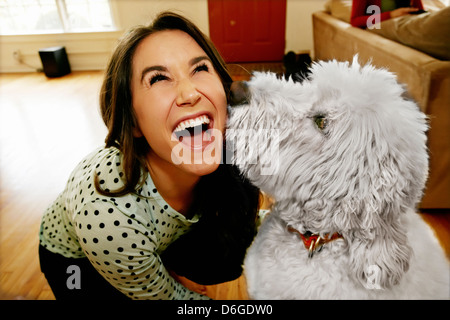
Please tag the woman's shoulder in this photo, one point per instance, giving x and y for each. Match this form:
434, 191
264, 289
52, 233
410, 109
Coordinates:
100, 157
104, 165
107, 166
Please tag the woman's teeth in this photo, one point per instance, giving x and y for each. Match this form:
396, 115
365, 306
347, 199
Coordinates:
191, 123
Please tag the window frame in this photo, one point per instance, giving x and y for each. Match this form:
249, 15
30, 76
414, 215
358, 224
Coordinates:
66, 28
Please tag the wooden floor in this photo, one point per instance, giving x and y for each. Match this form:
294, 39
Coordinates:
46, 127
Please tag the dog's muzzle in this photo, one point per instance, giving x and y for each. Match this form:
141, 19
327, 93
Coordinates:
239, 93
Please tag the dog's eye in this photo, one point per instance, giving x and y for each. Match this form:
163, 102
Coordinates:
321, 122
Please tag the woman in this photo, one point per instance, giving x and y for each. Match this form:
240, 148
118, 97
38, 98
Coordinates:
132, 213
388, 8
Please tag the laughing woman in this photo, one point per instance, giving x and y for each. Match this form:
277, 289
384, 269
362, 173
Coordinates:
133, 217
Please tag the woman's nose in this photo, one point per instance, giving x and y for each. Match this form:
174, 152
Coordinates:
187, 93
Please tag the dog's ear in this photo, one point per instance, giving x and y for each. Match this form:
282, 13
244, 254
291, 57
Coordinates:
389, 185
388, 190
379, 252
390, 167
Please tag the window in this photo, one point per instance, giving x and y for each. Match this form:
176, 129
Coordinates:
54, 16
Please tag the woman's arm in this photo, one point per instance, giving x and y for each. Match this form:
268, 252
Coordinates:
417, 4
359, 16
124, 251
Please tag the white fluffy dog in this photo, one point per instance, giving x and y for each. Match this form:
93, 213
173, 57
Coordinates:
344, 155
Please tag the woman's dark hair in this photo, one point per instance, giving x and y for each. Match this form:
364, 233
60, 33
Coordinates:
213, 251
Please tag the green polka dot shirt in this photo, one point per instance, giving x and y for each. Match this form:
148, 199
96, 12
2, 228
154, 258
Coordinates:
122, 237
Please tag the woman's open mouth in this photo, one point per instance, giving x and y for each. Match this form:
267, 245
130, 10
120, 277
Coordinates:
194, 132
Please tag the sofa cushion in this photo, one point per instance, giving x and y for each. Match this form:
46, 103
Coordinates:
428, 32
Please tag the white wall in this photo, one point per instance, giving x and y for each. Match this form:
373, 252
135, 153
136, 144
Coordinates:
90, 51
299, 32
86, 51
133, 12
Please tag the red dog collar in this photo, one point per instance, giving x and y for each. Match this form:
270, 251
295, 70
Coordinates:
314, 242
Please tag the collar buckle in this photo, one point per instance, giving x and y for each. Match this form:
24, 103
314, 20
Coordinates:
314, 242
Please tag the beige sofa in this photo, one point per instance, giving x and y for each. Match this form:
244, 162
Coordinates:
427, 79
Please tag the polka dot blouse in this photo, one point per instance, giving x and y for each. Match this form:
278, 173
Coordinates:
122, 237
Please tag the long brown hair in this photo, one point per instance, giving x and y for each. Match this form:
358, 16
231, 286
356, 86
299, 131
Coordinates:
225, 200
116, 100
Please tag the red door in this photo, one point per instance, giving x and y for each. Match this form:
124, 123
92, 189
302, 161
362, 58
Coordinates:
248, 30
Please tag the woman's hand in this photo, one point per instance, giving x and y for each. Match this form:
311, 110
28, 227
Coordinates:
402, 11
191, 285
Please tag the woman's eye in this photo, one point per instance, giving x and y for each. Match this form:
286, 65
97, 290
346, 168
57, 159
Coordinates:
202, 67
156, 78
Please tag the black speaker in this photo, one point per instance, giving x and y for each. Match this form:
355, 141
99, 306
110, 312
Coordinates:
54, 61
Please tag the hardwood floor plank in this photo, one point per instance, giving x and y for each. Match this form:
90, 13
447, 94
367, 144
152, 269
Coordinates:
439, 220
46, 127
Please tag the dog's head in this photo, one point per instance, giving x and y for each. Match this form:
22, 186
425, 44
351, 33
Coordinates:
346, 146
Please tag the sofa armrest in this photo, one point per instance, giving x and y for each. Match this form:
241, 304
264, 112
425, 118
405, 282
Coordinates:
336, 39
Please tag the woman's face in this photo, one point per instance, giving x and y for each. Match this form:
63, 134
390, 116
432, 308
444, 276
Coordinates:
179, 102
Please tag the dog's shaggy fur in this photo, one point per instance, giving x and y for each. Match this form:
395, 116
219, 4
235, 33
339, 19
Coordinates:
351, 158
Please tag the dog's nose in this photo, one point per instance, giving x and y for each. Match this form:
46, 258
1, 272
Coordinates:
239, 93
